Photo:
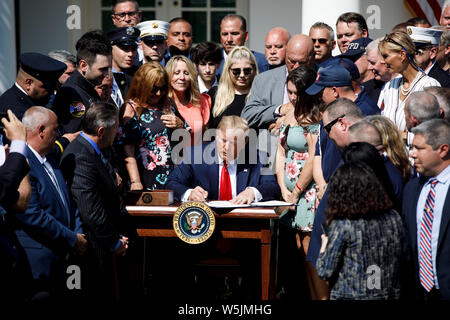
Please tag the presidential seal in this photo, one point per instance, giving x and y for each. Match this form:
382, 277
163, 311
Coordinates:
194, 222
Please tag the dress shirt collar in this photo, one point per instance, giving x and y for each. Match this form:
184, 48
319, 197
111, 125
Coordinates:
38, 156
443, 177
20, 88
93, 144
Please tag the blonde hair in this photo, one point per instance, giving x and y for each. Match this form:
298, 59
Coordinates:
392, 143
234, 123
145, 78
398, 41
225, 90
193, 92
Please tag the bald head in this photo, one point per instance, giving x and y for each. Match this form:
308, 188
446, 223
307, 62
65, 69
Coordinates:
275, 46
299, 51
364, 131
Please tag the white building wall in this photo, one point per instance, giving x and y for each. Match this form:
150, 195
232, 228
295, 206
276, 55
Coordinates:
7, 45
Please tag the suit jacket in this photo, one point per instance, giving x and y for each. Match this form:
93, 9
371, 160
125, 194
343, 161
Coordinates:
410, 199
48, 229
440, 75
206, 175
15, 100
94, 189
266, 95
123, 81
11, 174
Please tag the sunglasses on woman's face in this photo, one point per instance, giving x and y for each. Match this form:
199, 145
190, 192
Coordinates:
155, 89
237, 71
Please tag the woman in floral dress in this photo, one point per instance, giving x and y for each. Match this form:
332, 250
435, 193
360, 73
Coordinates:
147, 122
296, 146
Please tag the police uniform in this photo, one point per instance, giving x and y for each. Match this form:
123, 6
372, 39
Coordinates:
125, 36
424, 37
72, 102
155, 30
38, 66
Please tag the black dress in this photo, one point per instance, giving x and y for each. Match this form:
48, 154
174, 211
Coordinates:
233, 109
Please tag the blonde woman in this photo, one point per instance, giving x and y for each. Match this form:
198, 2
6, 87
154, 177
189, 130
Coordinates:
146, 124
398, 53
392, 144
230, 96
193, 106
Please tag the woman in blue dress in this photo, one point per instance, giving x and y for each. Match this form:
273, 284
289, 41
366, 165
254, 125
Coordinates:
147, 123
296, 146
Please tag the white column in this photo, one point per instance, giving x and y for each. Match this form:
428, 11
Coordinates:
326, 11
7, 45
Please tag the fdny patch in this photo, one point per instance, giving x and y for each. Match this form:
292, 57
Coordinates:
77, 109
194, 222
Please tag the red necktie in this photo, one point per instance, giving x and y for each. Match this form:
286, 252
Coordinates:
225, 184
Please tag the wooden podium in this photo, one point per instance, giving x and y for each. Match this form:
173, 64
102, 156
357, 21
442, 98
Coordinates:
241, 223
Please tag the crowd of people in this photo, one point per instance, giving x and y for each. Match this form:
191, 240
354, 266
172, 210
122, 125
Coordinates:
362, 152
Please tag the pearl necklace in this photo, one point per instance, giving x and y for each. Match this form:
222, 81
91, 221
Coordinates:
405, 92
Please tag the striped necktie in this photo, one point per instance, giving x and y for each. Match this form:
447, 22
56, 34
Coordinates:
426, 273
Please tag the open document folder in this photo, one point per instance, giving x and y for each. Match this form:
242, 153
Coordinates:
228, 204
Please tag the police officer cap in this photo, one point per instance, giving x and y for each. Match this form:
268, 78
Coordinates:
42, 67
424, 36
126, 36
154, 30
356, 49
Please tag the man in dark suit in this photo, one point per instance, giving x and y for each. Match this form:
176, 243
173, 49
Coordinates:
233, 32
223, 172
94, 188
51, 227
426, 206
35, 82
15, 192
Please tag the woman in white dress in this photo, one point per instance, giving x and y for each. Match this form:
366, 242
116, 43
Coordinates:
398, 52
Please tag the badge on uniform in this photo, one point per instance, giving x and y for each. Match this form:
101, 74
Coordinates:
194, 222
77, 109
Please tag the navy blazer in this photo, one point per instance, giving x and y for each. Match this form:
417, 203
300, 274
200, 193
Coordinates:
48, 229
410, 199
206, 175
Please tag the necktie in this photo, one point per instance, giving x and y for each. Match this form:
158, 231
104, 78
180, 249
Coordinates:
425, 260
51, 173
225, 192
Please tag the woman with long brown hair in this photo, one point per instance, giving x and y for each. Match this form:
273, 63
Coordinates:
147, 122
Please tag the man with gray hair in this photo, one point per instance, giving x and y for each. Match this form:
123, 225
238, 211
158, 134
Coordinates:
92, 182
51, 227
445, 15
322, 36
443, 97
69, 59
426, 206
380, 71
420, 107
443, 55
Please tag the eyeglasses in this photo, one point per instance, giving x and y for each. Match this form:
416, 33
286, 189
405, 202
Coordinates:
122, 15
151, 43
421, 51
155, 89
237, 71
328, 127
321, 40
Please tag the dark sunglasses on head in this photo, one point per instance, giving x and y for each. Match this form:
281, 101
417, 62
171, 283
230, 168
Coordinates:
155, 89
237, 71
328, 127
321, 40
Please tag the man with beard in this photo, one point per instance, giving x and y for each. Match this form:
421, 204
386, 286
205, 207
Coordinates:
35, 82
77, 94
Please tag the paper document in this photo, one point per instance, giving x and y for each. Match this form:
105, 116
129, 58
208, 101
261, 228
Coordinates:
228, 204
